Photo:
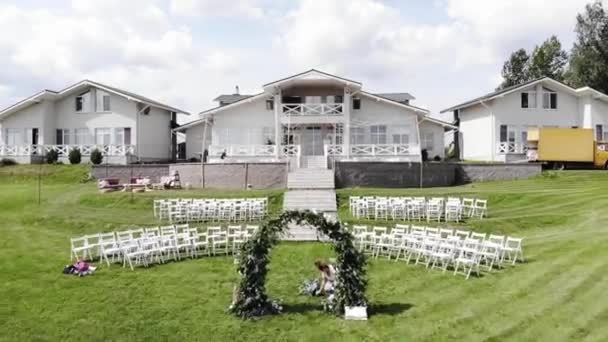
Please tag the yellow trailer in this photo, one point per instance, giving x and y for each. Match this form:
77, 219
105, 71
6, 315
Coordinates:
560, 147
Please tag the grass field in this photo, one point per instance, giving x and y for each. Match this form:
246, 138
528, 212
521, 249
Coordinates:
558, 295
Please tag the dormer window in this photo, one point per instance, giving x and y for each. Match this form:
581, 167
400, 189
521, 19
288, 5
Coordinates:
528, 99
549, 100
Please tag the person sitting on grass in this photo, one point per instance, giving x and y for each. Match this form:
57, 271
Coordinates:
328, 276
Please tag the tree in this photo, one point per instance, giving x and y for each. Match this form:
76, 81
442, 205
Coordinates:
589, 56
96, 157
52, 157
515, 70
548, 60
75, 156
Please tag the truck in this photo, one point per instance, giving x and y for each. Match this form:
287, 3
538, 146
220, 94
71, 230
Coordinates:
560, 148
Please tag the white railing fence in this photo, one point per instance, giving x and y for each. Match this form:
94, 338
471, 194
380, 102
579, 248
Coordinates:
243, 150
253, 150
511, 147
303, 109
359, 150
85, 150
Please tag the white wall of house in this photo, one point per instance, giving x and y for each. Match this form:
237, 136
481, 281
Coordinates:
30, 117
194, 140
398, 120
476, 131
121, 115
432, 139
243, 125
50, 115
507, 110
155, 140
480, 126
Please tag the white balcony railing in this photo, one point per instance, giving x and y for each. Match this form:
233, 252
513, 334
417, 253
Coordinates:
253, 150
303, 109
511, 147
373, 150
85, 150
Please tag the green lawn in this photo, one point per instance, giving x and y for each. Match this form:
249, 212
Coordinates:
559, 295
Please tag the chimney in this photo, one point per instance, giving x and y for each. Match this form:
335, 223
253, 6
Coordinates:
236, 89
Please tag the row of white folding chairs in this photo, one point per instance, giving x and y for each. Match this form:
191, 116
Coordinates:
441, 247
146, 245
417, 208
200, 210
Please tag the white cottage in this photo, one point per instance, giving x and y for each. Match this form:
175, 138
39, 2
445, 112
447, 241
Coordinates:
125, 127
313, 117
494, 127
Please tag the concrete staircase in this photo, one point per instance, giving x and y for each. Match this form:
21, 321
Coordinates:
315, 200
311, 179
310, 189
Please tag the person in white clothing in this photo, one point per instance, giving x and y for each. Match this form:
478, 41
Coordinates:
328, 276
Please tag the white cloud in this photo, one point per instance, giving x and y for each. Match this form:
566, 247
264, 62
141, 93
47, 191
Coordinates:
223, 8
129, 44
144, 45
371, 40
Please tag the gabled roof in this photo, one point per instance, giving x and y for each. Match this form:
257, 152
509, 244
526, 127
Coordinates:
397, 97
56, 95
309, 73
247, 99
396, 103
508, 90
230, 98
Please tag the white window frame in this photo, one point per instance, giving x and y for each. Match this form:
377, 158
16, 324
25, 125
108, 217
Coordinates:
13, 136
428, 139
547, 100
401, 138
82, 136
103, 133
65, 136
604, 132
378, 134
357, 135
531, 100
268, 135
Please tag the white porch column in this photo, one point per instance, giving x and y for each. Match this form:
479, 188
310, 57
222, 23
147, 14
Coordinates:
347, 105
277, 122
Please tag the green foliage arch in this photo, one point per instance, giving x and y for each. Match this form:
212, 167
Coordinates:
250, 298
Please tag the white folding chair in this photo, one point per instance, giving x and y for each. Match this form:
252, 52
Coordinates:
468, 259
513, 250
480, 208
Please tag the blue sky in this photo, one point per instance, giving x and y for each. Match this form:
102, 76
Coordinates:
186, 52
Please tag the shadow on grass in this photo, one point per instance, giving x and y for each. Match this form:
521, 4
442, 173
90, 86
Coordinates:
391, 309
302, 308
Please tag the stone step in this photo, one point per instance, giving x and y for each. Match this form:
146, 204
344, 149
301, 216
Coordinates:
316, 200
311, 179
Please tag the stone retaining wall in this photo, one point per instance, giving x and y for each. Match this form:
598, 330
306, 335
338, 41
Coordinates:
220, 175
406, 175
124, 172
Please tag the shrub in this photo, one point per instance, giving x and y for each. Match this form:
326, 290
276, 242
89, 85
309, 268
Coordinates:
96, 157
7, 162
437, 158
75, 156
52, 156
